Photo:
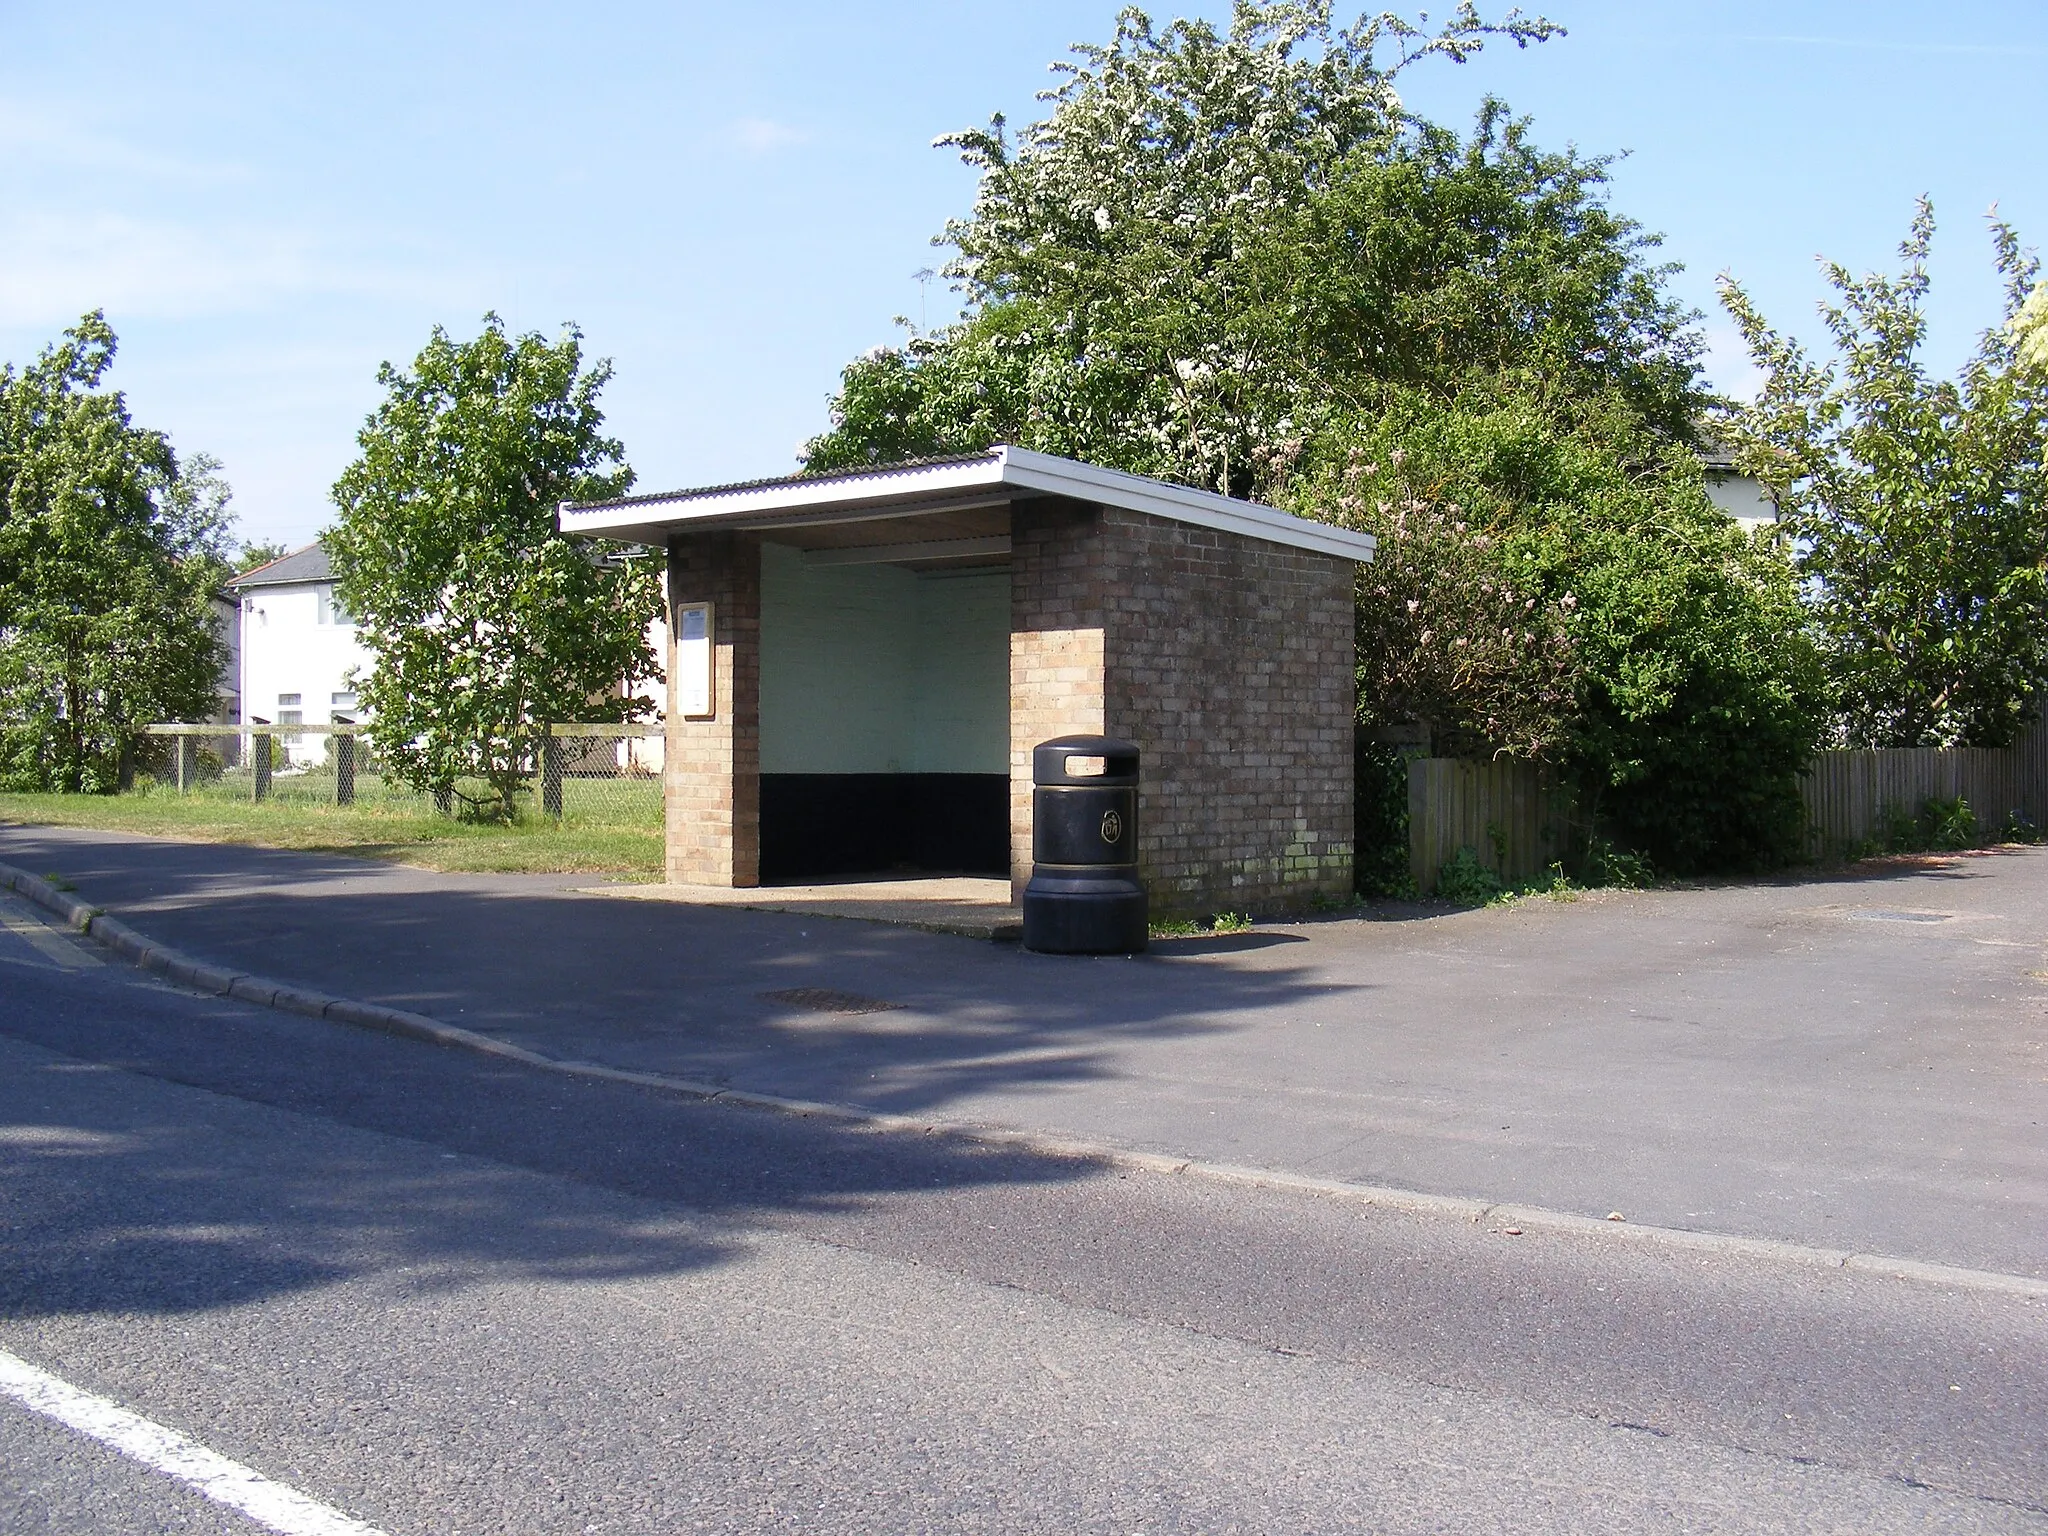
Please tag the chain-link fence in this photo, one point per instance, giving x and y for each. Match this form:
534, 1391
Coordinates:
585, 775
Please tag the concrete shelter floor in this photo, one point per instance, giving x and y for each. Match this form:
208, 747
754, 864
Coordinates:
960, 904
1856, 1060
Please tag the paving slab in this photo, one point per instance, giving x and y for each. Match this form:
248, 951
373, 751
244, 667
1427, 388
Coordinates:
1856, 1062
965, 905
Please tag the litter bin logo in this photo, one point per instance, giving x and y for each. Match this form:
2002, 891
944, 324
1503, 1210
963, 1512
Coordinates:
1112, 827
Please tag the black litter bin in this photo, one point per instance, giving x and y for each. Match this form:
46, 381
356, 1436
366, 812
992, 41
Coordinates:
1084, 897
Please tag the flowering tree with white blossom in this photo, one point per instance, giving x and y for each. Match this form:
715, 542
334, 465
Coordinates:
1232, 257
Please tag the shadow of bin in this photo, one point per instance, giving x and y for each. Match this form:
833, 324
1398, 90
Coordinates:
1084, 897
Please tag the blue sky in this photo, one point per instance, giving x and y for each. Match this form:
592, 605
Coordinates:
731, 201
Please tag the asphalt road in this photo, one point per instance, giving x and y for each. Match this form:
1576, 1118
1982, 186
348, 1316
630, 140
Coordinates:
1852, 1062
441, 1294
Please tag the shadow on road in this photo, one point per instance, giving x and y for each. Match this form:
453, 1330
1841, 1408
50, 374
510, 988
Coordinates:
122, 1196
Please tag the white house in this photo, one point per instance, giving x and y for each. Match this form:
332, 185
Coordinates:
1741, 496
295, 657
297, 653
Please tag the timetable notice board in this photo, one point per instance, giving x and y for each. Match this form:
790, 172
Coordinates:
693, 654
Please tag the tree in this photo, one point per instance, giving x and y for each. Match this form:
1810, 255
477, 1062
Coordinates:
1214, 242
1452, 633
1918, 503
1422, 262
2030, 329
110, 551
1235, 260
257, 553
487, 625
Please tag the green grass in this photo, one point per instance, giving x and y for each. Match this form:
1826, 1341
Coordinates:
609, 827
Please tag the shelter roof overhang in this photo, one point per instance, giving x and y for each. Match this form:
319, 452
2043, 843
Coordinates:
943, 491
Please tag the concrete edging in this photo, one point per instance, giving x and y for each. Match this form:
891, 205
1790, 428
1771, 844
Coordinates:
174, 965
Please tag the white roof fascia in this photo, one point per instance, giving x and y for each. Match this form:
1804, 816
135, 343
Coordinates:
938, 486
650, 521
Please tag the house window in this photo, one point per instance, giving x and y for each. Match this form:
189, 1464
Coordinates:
342, 700
330, 611
290, 713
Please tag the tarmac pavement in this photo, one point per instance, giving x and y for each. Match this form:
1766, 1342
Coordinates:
1852, 1062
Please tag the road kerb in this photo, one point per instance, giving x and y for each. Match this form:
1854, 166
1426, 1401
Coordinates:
76, 914
162, 960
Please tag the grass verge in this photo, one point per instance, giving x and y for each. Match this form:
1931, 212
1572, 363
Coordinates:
400, 835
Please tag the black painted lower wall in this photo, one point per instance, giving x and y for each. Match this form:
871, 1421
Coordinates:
820, 826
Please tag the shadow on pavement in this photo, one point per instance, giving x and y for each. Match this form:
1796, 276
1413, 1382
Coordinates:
1222, 943
1964, 864
700, 992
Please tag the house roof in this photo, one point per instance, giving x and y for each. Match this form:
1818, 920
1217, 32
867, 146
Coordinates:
1717, 456
301, 565
929, 487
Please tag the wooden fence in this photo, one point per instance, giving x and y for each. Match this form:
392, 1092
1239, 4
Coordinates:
1506, 812
1512, 817
1849, 794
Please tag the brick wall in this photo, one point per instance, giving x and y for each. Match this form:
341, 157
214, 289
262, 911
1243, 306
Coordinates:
1056, 645
711, 772
1229, 661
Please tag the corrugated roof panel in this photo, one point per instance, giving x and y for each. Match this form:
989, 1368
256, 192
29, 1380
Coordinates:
867, 472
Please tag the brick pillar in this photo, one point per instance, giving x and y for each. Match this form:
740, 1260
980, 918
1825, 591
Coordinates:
711, 769
1056, 647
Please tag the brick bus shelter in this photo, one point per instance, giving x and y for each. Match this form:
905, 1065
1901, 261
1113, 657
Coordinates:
860, 664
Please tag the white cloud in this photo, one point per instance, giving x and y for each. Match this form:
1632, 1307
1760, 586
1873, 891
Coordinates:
37, 138
763, 136
56, 265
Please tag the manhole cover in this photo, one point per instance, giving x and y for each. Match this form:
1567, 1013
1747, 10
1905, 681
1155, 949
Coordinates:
828, 1000
1878, 916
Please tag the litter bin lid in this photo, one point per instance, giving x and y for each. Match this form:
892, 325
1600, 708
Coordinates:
1105, 759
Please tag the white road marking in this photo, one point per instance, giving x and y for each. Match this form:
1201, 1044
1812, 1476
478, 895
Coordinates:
47, 944
269, 1504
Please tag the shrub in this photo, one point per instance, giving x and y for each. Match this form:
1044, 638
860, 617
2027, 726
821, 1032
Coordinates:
1380, 820
1691, 692
1466, 880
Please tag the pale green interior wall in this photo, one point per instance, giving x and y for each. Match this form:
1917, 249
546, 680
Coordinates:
875, 669
960, 683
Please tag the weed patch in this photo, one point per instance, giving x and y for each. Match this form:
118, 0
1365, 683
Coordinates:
1188, 928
